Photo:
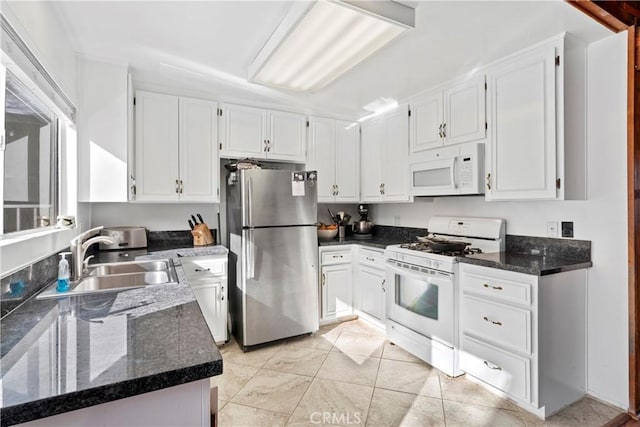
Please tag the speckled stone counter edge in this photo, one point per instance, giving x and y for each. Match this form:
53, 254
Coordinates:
535, 271
108, 393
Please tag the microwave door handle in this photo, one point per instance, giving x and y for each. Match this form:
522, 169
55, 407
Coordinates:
453, 173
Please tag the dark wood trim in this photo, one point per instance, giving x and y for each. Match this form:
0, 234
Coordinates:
622, 420
633, 202
601, 15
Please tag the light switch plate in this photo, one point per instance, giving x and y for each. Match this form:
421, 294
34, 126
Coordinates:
552, 229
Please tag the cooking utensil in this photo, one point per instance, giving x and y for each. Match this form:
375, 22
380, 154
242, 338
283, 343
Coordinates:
190, 224
333, 218
200, 218
438, 244
195, 221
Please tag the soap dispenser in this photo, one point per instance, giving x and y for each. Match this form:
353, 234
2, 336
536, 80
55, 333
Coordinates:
63, 273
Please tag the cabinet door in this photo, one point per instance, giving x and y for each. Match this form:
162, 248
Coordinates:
198, 150
521, 154
212, 301
156, 147
465, 111
372, 283
426, 121
347, 160
287, 136
336, 282
371, 161
322, 156
395, 155
243, 131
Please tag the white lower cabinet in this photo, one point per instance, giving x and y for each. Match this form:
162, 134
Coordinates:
207, 276
371, 283
525, 335
336, 283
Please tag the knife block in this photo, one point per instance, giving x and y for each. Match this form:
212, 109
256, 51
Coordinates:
202, 235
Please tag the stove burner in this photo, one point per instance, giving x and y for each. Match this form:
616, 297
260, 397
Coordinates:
424, 247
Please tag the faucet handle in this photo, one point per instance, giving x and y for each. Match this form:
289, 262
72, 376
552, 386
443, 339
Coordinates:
85, 263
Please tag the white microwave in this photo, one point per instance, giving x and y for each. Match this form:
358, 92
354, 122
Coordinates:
448, 171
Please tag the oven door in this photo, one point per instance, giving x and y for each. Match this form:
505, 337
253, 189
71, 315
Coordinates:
434, 177
421, 301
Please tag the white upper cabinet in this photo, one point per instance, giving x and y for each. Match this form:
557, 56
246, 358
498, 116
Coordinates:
525, 158
176, 153
286, 136
242, 131
264, 134
334, 148
370, 161
384, 161
347, 162
198, 150
448, 116
103, 153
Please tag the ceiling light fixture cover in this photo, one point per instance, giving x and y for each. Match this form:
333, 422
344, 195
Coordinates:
319, 41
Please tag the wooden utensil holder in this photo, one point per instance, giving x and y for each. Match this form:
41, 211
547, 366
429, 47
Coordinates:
202, 235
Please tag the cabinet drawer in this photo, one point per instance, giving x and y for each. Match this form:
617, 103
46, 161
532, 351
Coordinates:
501, 369
504, 285
196, 268
506, 326
372, 258
336, 257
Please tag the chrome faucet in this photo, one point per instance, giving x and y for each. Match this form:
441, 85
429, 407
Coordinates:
79, 249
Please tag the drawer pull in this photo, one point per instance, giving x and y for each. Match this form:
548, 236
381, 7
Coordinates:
497, 288
337, 256
202, 269
492, 321
492, 366
369, 259
383, 282
323, 279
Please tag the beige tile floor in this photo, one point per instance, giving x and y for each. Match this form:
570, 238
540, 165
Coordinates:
348, 374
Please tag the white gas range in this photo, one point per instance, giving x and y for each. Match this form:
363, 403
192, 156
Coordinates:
422, 307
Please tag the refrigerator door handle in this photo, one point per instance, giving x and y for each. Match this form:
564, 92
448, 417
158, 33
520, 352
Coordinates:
250, 248
250, 202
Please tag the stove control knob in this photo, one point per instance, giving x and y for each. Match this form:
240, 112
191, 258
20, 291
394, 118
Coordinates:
436, 264
427, 263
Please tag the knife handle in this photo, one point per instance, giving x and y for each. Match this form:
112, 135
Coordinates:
200, 218
195, 221
190, 224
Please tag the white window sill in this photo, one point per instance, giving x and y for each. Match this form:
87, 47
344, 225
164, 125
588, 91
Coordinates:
22, 249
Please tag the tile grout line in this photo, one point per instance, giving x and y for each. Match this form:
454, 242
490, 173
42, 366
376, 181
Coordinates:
444, 413
375, 381
312, 379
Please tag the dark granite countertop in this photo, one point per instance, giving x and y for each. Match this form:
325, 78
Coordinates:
62, 355
536, 265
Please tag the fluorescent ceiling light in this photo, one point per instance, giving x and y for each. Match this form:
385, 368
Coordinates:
318, 42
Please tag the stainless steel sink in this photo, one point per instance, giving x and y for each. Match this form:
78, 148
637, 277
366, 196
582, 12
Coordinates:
129, 267
118, 276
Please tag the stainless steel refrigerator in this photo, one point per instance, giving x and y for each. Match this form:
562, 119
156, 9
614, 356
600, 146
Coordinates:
273, 245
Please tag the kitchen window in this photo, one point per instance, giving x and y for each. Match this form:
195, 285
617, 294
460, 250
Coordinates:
30, 186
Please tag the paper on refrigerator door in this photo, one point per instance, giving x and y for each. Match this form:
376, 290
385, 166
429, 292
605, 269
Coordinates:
297, 183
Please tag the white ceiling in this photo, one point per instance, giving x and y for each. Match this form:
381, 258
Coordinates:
206, 46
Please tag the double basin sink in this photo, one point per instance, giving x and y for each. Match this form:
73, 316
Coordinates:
118, 276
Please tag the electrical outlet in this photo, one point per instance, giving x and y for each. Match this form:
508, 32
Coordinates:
396, 220
552, 229
567, 228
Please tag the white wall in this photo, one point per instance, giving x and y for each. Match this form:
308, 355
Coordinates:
602, 219
38, 24
154, 216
